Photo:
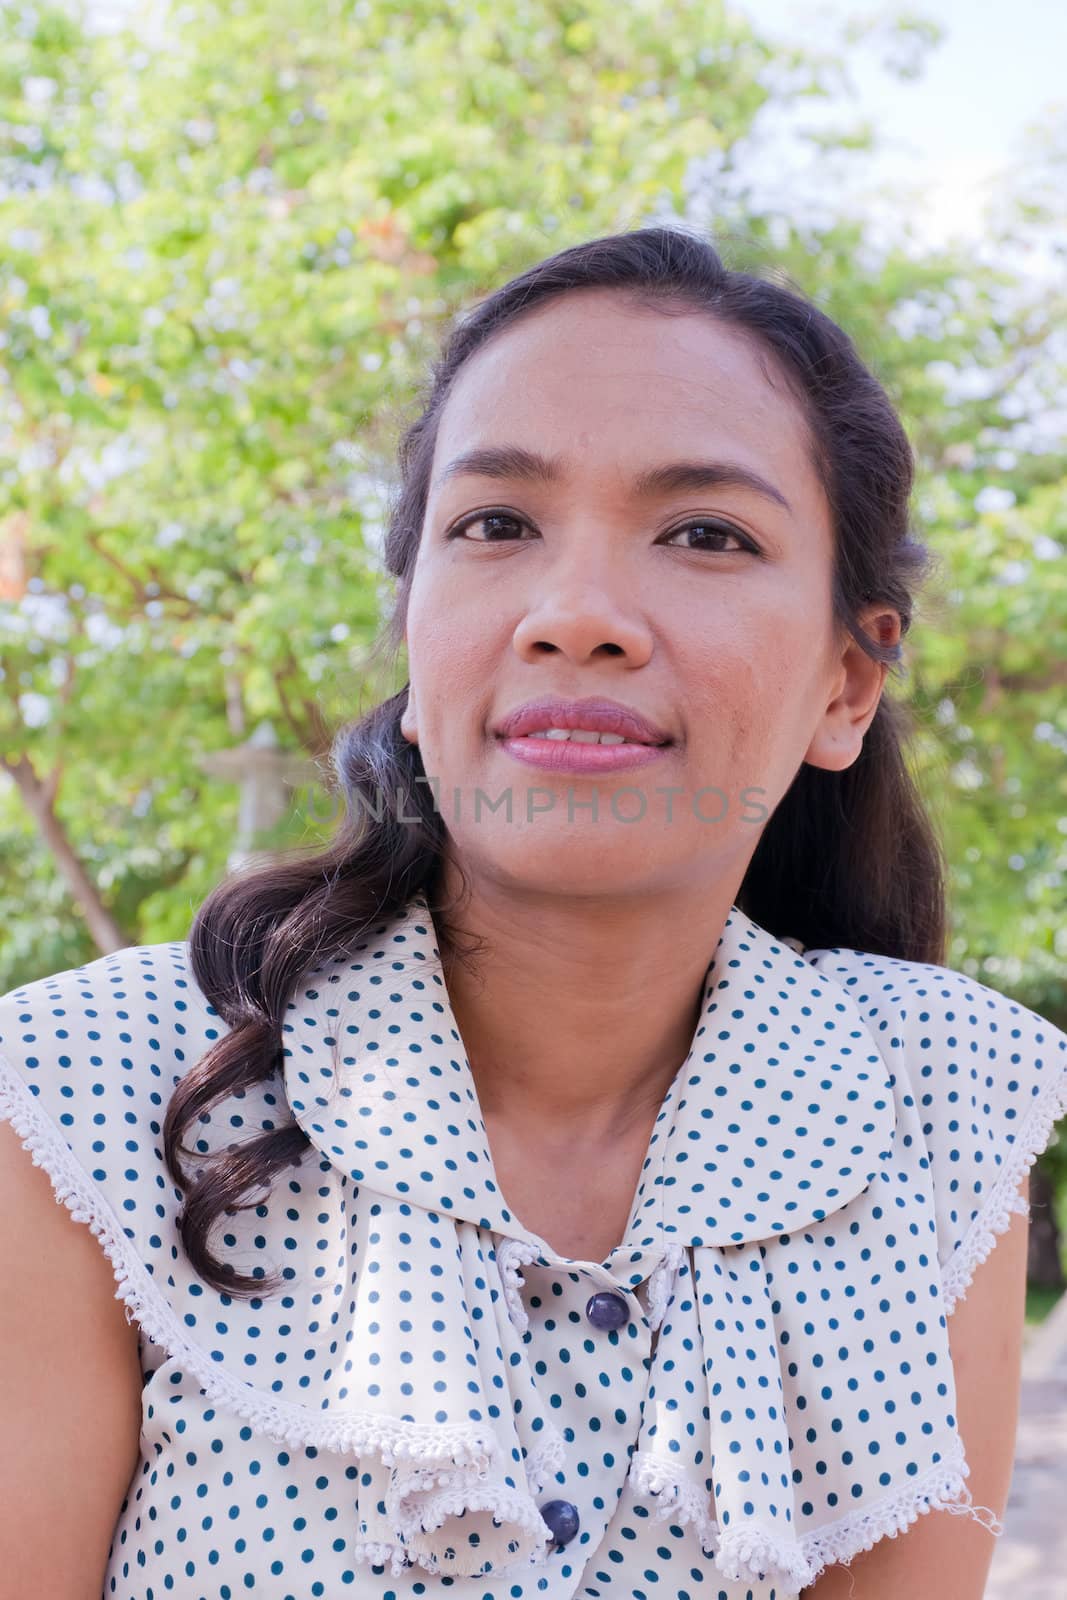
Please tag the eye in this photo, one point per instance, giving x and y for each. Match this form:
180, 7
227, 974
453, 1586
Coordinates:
711, 532
499, 527
506, 527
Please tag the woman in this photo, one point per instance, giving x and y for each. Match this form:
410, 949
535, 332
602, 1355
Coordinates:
562, 1184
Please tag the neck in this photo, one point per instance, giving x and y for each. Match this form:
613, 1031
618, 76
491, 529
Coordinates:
577, 1012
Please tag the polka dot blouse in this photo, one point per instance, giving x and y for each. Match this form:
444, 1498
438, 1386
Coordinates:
755, 1384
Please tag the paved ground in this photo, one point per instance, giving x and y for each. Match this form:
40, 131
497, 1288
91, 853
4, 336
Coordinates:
1030, 1562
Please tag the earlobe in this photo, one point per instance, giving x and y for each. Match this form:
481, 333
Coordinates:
838, 740
835, 747
408, 721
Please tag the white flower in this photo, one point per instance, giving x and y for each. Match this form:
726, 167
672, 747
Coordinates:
994, 498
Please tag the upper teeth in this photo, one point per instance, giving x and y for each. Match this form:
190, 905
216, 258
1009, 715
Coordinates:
578, 736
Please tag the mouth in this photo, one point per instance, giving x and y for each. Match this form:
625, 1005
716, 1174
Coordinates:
580, 736
589, 722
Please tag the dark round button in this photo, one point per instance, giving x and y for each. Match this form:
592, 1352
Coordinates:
562, 1519
608, 1311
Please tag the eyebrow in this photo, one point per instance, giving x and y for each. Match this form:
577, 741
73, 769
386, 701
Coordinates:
513, 461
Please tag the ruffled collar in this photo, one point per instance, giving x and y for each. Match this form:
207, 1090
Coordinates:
772, 1180
780, 1114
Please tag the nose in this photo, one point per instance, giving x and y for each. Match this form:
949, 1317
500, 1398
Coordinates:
583, 617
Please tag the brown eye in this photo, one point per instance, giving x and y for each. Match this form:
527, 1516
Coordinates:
499, 527
710, 535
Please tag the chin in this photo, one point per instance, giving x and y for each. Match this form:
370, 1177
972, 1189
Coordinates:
569, 860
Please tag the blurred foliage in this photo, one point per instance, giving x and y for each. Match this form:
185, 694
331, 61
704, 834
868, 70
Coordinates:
232, 238
1039, 1302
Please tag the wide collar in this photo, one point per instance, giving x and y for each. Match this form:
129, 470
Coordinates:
781, 1113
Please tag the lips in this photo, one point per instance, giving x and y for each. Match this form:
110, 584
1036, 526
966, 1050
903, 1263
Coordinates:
593, 715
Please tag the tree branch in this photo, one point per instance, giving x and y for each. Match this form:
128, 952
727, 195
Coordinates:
1034, 682
138, 584
105, 931
312, 729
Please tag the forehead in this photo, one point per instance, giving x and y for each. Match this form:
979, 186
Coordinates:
593, 378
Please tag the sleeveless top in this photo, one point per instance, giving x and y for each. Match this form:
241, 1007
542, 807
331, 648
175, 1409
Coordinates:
756, 1383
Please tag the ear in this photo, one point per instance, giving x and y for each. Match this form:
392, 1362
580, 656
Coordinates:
856, 689
408, 718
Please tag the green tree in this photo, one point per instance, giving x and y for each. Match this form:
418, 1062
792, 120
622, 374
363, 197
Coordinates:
229, 251
230, 247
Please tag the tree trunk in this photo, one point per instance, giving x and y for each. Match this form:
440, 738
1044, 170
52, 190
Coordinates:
38, 797
1044, 1268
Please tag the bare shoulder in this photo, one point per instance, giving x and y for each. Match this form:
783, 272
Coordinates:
43, 1246
70, 1390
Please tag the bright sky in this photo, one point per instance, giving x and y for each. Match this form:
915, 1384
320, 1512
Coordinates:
1000, 66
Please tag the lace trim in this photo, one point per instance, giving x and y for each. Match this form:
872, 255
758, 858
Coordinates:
748, 1553
1004, 1200
398, 1561
540, 1465
511, 1256
549, 1458
415, 1517
943, 1488
395, 1442
680, 1499
661, 1284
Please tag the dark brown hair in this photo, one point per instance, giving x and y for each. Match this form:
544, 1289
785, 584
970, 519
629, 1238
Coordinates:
847, 859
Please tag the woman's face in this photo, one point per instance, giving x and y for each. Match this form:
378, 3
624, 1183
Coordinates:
698, 599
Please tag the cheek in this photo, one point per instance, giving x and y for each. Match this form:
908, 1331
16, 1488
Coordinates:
749, 681
450, 658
